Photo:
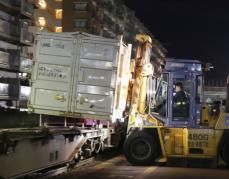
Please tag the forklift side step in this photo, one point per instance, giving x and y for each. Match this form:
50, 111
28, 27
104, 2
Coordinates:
192, 162
202, 162
177, 162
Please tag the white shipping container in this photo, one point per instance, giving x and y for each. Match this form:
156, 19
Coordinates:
80, 75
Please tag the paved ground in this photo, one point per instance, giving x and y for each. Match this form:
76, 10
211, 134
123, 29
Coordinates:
119, 168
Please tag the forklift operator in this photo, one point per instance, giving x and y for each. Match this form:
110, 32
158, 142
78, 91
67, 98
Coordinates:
180, 102
180, 95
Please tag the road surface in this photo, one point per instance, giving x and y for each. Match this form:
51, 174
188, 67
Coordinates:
119, 168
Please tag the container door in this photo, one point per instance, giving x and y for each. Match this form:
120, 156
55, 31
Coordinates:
52, 74
96, 77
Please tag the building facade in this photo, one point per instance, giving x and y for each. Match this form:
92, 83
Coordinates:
108, 18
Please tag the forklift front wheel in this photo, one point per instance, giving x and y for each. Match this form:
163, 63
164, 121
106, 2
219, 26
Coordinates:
140, 148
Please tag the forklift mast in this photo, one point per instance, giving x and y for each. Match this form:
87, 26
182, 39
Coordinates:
187, 74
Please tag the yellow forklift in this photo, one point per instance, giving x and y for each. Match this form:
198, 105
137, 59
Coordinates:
182, 128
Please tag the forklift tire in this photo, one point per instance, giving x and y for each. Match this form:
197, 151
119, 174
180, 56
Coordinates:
225, 153
140, 148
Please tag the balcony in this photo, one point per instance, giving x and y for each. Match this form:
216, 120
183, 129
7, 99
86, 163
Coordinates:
24, 96
108, 34
4, 27
9, 88
109, 30
4, 60
27, 9
4, 16
14, 7
8, 6
120, 13
21, 30
15, 3
35, 3
109, 20
119, 28
108, 5
26, 65
9, 33
15, 61
108, 26
26, 37
15, 31
108, 16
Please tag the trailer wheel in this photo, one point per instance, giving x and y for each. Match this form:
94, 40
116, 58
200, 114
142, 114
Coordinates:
225, 153
140, 148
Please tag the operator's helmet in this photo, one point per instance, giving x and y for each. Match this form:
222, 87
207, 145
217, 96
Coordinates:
179, 84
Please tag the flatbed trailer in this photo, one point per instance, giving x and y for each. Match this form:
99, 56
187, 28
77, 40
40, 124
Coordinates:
27, 151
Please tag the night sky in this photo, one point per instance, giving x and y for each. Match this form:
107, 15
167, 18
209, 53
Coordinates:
197, 29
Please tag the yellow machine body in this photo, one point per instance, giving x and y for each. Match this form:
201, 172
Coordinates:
191, 142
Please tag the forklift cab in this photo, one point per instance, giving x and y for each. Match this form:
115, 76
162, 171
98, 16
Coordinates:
181, 98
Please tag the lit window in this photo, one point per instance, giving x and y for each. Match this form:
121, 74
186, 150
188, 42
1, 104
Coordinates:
58, 13
42, 4
80, 6
41, 21
80, 23
58, 29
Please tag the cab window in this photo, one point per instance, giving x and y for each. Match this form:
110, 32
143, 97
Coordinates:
161, 95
